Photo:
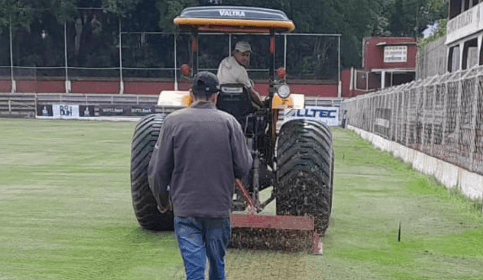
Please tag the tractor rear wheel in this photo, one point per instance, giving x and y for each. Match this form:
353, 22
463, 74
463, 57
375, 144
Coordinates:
145, 136
305, 168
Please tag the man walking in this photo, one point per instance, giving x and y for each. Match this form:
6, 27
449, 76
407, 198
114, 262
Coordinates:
199, 153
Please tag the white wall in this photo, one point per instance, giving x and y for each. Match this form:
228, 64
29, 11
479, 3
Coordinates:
451, 176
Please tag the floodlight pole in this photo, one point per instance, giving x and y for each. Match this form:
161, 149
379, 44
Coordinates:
121, 82
67, 81
339, 89
13, 83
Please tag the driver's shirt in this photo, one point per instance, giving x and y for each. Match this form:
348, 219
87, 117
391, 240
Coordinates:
231, 72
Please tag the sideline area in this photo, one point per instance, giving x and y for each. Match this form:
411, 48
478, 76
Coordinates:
66, 213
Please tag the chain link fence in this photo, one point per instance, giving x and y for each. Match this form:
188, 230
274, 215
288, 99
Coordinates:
441, 116
95, 44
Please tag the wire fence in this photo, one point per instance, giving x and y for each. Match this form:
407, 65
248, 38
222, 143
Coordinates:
441, 116
100, 45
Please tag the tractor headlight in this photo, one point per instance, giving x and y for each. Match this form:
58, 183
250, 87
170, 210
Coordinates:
283, 91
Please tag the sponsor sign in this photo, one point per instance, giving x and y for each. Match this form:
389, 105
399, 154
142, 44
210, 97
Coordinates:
45, 110
64, 111
86, 111
395, 54
125, 110
112, 110
142, 111
327, 115
382, 122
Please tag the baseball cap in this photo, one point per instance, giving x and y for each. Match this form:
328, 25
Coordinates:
205, 83
243, 46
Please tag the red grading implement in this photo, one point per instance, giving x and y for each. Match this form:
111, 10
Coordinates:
253, 220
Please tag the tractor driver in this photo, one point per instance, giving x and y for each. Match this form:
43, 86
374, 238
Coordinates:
232, 70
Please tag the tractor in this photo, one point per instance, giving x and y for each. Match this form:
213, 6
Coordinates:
296, 160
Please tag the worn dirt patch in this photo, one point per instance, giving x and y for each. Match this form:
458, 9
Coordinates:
253, 264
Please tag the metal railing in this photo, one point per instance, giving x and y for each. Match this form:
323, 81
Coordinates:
441, 116
25, 105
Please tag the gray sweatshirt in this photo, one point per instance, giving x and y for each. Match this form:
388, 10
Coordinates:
199, 153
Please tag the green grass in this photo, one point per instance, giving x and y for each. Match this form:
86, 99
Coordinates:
442, 232
66, 209
66, 213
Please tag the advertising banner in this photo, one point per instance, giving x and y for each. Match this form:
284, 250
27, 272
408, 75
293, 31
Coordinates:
327, 115
87, 111
63, 111
45, 110
125, 110
382, 122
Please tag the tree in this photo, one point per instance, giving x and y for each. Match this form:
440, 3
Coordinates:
411, 17
93, 34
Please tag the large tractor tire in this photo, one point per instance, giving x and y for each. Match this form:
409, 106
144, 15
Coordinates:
305, 168
145, 136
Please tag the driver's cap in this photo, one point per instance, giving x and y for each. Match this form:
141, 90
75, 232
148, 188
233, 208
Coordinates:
243, 46
205, 83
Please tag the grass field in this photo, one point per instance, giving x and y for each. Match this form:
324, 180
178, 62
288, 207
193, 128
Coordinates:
66, 213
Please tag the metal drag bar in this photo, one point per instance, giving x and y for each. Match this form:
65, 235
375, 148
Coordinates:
253, 220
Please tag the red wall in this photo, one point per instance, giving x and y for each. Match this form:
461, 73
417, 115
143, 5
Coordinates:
345, 79
374, 54
5, 86
151, 88
308, 89
108, 87
347, 92
26, 86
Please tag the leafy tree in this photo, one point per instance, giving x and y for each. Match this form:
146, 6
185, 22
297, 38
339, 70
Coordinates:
169, 9
93, 34
411, 17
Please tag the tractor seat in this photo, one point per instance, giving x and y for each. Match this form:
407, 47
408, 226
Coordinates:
235, 100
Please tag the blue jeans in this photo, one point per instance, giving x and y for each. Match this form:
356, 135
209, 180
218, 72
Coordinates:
200, 239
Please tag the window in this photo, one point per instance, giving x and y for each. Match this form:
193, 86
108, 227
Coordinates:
395, 54
454, 59
481, 56
454, 8
470, 53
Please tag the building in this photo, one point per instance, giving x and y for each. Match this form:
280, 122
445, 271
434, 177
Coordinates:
464, 34
386, 62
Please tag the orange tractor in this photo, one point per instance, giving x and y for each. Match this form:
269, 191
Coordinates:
297, 162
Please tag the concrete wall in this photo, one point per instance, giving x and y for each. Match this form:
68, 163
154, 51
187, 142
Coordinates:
451, 176
432, 59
